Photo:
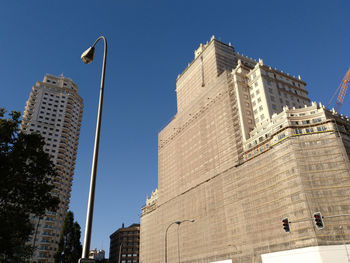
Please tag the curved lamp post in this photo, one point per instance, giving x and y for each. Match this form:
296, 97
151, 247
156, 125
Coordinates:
120, 251
87, 57
178, 239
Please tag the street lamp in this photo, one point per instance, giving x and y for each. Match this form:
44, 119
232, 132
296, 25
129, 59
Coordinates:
120, 251
87, 58
178, 239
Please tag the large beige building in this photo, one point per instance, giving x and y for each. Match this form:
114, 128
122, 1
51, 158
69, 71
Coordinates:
246, 149
54, 109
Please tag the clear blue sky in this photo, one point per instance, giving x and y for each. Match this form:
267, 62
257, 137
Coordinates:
150, 43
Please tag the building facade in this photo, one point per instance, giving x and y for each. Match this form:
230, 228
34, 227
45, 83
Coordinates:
124, 245
54, 109
97, 255
245, 149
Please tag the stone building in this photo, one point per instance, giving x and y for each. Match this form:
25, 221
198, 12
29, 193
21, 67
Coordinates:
54, 109
124, 245
246, 149
97, 254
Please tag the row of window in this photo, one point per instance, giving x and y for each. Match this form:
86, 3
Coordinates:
282, 78
54, 82
310, 130
129, 255
305, 122
51, 95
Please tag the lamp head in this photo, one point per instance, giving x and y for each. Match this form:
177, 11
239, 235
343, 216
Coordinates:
88, 55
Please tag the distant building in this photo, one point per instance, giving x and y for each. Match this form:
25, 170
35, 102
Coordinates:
54, 110
125, 243
97, 255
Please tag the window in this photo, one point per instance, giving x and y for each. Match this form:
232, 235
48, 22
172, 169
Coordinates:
297, 131
272, 98
281, 136
274, 107
259, 99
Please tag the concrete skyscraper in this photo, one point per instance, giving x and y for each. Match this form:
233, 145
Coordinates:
54, 109
246, 149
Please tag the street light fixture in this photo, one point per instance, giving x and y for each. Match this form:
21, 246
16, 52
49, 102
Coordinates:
178, 239
87, 57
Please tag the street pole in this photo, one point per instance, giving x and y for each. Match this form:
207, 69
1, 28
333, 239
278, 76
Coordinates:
178, 239
87, 57
120, 251
178, 244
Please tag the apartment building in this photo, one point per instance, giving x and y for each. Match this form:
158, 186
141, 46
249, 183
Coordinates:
124, 245
54, 109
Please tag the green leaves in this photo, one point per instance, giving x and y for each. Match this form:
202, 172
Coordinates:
26, 180
69, 247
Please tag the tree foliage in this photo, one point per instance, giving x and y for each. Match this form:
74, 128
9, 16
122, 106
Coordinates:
69, 247
26, 180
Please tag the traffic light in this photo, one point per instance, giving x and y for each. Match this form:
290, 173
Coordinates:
318, 220
286, 224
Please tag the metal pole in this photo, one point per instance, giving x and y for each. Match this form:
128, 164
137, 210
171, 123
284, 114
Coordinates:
166, 240
120, 251
178, 243
90, 208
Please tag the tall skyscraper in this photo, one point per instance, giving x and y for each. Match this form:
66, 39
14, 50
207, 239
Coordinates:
246, 149
54, 109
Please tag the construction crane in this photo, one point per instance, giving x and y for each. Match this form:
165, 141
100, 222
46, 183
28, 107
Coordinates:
342, 91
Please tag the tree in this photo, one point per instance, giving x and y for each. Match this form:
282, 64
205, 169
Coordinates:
69, 247
26, 181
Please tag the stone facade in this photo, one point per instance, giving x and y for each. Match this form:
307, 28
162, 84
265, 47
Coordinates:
238, 178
